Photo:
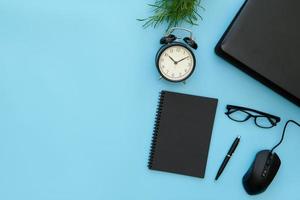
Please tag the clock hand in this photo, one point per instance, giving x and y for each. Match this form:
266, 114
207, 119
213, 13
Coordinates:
182, 59
172, 59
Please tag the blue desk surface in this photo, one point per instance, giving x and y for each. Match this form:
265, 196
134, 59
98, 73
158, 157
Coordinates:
79, 89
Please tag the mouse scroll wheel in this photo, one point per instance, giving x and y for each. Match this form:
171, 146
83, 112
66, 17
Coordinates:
269, 161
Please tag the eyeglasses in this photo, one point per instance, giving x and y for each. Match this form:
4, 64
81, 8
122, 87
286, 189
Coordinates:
242, 114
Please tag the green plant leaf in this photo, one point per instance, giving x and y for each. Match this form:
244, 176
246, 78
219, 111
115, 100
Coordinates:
173, 12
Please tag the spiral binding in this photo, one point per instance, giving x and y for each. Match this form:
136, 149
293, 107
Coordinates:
156, 128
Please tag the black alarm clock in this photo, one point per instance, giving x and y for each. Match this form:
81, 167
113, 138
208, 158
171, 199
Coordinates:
175, 60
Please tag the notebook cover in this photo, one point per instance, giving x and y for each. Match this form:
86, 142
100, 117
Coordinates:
182, 134
263, 40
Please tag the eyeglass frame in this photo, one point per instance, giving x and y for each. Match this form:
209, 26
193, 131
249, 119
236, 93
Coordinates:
261, 114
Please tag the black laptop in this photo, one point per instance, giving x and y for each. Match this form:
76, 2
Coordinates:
264, 41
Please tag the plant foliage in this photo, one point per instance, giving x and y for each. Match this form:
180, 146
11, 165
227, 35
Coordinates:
173, 12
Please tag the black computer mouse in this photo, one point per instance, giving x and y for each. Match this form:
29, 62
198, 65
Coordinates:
262, 172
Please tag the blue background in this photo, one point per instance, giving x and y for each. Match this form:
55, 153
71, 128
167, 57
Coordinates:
78, 93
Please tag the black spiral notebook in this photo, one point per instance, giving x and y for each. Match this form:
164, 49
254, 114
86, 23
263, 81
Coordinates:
182, 134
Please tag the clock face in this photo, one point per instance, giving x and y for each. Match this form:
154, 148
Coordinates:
176, 63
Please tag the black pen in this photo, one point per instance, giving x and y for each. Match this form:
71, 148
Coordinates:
228, 156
